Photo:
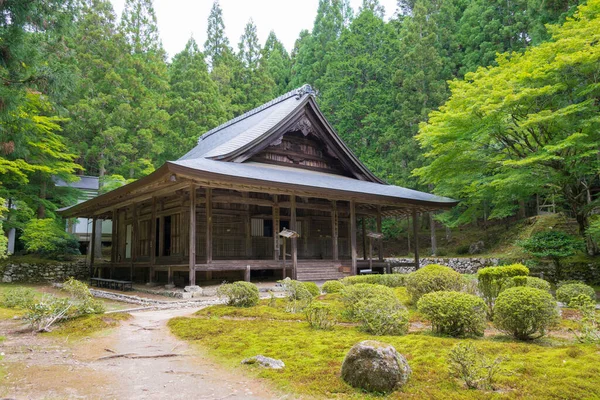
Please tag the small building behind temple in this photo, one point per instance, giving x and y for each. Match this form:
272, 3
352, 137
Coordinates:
224, 210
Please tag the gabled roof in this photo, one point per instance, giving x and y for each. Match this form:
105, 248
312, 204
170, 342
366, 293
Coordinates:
236, 139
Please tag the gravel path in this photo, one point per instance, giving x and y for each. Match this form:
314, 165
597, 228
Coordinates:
39, 367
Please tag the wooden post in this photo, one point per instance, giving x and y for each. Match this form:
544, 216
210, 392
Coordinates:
379, 230
371, 253
92, 247
113, 237
248, 227
364, 238
276, 217
294, 238
416, 235
209, 230
169, 276
192, 236
134, 221
284, 261
247, 274
353, 235
152, 241
334, 231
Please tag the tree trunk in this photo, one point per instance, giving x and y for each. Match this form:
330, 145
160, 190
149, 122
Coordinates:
41, 211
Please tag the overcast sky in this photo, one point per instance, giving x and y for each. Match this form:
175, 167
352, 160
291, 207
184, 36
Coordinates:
180, 19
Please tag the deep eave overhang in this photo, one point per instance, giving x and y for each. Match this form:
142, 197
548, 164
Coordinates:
174, 176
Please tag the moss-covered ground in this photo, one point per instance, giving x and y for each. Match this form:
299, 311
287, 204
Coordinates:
551, 368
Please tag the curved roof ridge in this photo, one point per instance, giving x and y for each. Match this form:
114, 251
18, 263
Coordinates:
301, 91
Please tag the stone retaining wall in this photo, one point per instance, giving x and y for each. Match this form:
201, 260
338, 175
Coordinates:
467, 265
50, 272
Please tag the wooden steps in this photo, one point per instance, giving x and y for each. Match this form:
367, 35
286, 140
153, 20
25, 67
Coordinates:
319, 272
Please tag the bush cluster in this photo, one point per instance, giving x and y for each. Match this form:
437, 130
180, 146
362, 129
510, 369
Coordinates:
320, 315
432, 278
312, 288
454, 313
492, 280
47, 238
332, 287
529, 281
298, 295
377, 309
239, 294
390, 280
19, 297
567, 292
525, 312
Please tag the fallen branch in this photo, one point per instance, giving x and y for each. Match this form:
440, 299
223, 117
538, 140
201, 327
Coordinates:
135, 356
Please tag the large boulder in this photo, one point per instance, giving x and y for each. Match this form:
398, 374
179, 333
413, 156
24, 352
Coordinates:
375, 367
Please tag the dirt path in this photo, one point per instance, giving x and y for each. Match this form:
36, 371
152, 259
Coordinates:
37, 367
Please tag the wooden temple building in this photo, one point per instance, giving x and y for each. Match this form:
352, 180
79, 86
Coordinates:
224, 209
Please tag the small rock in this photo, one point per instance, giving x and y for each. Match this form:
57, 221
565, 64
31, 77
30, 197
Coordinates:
263, 361
477, 247
375, 367
170, 286
192, 289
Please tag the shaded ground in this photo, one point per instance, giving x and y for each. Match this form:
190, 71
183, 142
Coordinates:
40, 367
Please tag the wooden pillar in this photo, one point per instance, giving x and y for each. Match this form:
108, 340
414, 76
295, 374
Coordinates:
276, 218
152, 241
209, 230
134, 222
364, 238
192, 235
379, 230
93, 247
416, 235
114, 245
334, 231
353, 235
248, 227
294, 239
169, 276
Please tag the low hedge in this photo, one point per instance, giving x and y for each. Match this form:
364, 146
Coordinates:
528, 281
525, 312
389, 280
454, 313
312, 288
492, 280
432, 278
354, 294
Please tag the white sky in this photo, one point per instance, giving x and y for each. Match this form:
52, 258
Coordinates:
180, 19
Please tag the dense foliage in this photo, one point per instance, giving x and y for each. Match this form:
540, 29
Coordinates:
390, 280
492, 280
239, 294
454, 313
566, 293
552, 245
525, 313
432, 278
332, 287
86, 91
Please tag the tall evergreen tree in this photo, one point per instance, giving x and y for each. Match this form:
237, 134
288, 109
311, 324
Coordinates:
277, 62
217, 42
249, 48
195, 106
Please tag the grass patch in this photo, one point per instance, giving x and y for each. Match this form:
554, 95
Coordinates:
547, 369
88, 324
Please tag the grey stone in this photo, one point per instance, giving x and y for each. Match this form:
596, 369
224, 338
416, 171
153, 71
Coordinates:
192, 289
477, 247
170, 286
263, 361
375, 367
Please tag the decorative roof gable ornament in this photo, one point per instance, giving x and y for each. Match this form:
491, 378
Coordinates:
305, 89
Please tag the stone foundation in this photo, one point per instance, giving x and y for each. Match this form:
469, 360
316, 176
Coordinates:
38, 273
467, 265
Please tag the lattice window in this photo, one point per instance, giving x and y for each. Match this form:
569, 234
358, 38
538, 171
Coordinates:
145, 238
176, 235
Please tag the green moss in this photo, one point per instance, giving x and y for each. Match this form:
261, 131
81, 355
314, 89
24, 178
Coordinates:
88, 324
546, 370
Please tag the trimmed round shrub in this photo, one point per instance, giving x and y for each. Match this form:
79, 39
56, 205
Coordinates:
492, 280
332, 287
390, 280
568, 292
295, 290
528, 281
312, 288
380, 315
239, 294
320, 315
352, 295
525, 312
432, 278
454, 313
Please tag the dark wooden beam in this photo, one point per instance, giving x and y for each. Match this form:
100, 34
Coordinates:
114, 239
275, 228
133, 243
364, 238
209, 221
416, 235
192, 235
294, 238
93, 247
379, 228
334, 230
353, 236
152, 241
